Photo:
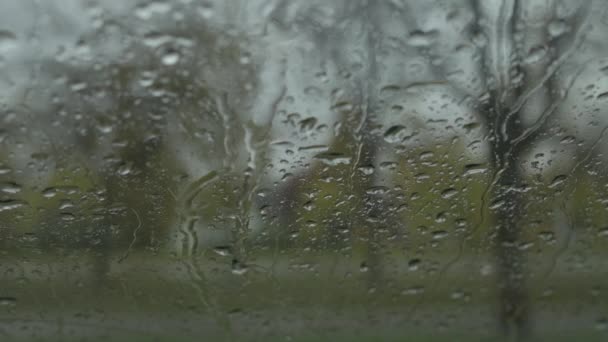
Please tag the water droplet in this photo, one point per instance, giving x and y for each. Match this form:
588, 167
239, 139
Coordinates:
557, 181
5, 170
449, 193
6, 205
205, 11
602, 96
366, 169
440, 234
146, 11
497, 204
8, 301
389, 90
473, 169
377, 190
49, 192
333, 159
535, 55
420, 38
314, 148
68, 216
147, 78
395, 134
308, 124
568, 140
170, 58
557, 27
547, 236
414, 264
238, 268
309, 206
601, 324
10, 188
413, 291
8, 40
222, 250
66, 204
124, 169
343, 107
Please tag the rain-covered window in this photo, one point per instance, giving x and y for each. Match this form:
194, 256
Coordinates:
303, 170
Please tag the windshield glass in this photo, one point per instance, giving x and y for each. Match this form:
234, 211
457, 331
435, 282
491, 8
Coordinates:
272, 170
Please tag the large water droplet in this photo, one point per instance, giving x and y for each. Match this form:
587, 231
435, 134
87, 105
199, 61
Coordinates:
8, 40
8, 301
171, 58
333, 158
394, 134
420, 38
10, 188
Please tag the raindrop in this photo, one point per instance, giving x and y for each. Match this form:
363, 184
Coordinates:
314, 148
146, 11
394, 134
420, 38
440, 234
602, 96
170, 58
426, 155
568, 140
456, 295
205, 11
449, 193
10, 188
557, 27
6, 205
377, 190
366, 169
601, 324
147, 78
309, 206
535, 55
441, 217
413, 291
68, 216
308, 124
473, 169
66, 204
238, 268
49, 192
343, 107
557, 181
8, 301
333, 158
245, 59
414, 264
389, 90
547, 236
8, 40
124, 169
497, 204
222, 250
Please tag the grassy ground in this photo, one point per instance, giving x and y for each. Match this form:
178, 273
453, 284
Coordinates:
306, 297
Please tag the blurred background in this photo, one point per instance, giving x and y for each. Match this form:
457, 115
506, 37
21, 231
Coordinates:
273, 170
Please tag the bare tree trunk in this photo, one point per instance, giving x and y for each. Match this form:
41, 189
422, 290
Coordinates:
503, 196
514, 314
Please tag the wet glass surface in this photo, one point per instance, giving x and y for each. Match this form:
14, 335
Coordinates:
272, 170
